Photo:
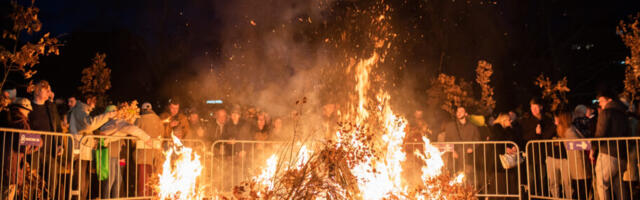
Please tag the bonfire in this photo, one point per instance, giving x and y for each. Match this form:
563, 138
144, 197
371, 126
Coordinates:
365, 161
180, 172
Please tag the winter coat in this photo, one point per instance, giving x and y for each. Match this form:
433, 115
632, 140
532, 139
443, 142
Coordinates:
54, 118
183, 123
529, 123
456, 132
120, 128
81, 124
583, 124
19, 121
151, 124
579, 165
528, 126
612, 122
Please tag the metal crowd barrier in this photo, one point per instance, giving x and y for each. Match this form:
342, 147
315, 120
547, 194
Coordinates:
35, 164
113, 167
564, 169
44, 165
481, 164
235, 161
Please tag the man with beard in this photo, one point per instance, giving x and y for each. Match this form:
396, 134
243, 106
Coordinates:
462, 130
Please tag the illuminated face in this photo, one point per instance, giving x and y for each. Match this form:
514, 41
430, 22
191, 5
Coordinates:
536, 109
91, 101
221, 116
603, 101
513, 116
193, 118
173, 109
235, 117
589, 112
71, 102
461, 113
43, 92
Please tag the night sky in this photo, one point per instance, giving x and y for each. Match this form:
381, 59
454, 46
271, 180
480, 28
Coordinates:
155, 47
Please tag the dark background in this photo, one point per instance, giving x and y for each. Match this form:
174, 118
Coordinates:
154, 47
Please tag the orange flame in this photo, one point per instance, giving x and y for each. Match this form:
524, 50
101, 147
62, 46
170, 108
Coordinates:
180, 172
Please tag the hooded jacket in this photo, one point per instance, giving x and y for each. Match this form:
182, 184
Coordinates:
81, 124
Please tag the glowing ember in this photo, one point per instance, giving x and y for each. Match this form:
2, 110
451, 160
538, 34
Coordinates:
180, 172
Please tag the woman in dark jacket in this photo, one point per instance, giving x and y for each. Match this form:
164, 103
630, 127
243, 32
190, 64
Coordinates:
505, 181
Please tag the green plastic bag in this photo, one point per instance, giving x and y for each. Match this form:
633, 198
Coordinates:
102, 161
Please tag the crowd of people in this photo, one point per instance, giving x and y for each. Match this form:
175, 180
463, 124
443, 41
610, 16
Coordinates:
600, 170
610, 117
79, 117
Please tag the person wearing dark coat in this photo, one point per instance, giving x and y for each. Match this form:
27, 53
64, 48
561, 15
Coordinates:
14, 153
612, 122
506, 180
461, 130
45, 117
536, 125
